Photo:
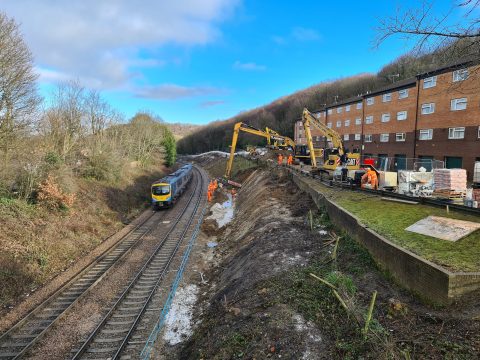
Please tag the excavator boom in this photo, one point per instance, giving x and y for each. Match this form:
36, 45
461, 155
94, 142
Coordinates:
269, 134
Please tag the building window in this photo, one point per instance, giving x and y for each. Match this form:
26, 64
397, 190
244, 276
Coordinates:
347, 108
318, 138
429, 82
402, 94
400, 136
359, 105
402, 115
368, 138
426, 134
428, 108
370, 101
458, 104
339, 123
347, 122
460, 75
339, 110
359, 136
329, 125
386, 117
456, 133
329, 111
369, 119
384, 137
358, 121
387, 97
346, 137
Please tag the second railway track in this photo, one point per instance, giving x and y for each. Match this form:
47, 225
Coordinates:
111, 336
18, 340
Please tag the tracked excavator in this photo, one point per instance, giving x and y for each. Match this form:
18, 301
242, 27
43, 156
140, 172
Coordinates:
337, 156
274, 139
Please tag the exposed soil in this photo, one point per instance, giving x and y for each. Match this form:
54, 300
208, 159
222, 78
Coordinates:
257, 299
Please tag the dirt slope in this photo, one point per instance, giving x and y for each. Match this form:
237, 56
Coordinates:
260, 300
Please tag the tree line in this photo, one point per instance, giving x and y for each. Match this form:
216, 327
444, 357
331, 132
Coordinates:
78, 131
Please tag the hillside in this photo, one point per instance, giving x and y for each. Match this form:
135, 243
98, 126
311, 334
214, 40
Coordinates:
282, 113
180, 130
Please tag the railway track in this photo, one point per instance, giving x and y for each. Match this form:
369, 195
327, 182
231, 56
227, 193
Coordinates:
23, 335
112, 335
16, 342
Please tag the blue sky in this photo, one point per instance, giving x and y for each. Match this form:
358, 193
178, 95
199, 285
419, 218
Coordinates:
199, 61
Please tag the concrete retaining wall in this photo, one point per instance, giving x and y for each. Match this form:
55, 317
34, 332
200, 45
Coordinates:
426, 279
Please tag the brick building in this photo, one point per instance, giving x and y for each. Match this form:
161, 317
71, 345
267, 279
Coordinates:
433, 116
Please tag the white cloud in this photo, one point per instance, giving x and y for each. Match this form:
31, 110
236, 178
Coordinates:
98, 41
207, 104
173, 91
251, 66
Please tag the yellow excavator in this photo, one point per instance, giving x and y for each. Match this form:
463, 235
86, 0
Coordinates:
352, 160
279, 141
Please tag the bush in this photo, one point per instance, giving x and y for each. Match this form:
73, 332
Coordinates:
51, 196
102, 167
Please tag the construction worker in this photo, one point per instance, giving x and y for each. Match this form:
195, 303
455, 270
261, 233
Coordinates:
280, 159
290, 160
370, 180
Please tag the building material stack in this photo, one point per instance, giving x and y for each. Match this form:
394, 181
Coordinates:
415, 183
450, 183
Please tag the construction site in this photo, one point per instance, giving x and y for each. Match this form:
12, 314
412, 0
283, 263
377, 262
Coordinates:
221, 180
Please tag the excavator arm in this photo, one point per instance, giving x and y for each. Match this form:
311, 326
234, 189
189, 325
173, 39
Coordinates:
269, 134
309, 119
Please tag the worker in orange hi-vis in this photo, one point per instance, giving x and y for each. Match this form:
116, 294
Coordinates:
280, 159
290, 159
209, 196
215, 184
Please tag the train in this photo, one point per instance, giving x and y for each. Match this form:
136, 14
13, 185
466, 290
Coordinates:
169, 188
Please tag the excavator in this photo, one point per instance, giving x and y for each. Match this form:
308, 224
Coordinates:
334, 158
274, 140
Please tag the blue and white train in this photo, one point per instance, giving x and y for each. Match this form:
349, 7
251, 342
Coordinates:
168, 189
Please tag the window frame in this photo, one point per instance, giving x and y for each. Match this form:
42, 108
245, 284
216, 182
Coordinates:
456, 102
346, 123
368, 139
432, 106
367, 118
347, 108
382, 137
456, 129
359, 105
329, 125
402, 112
403, 139
429, 132
405, 91
339, 110
430, 79
359, 136
329, 111
370, 101
457, 77
387, 97
339, 123
346, 137
385, 116
358, 121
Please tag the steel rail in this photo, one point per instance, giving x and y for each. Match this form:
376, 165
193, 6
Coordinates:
29, 319
86, 344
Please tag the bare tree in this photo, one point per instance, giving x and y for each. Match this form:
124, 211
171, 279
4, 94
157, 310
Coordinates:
457, 39
18, 91
64, 121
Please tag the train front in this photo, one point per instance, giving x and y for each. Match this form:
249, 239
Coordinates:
161, 195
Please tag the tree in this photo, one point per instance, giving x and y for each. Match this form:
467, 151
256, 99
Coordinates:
458, 39
19, 99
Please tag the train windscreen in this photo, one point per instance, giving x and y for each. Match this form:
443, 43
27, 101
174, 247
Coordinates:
161, 190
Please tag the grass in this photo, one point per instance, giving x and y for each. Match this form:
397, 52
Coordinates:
390, 220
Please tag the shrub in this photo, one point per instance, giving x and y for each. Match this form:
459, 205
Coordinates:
51, 196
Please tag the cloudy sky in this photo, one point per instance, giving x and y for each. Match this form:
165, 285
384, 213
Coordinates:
201, 60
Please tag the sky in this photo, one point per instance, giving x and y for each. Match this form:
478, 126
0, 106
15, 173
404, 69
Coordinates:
196, 61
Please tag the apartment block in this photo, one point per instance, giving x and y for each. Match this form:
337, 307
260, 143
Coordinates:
433, 116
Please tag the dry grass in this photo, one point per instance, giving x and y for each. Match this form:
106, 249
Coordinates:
38, 242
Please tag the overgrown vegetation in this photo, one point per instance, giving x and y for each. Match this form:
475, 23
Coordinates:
71, 170
281, 114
